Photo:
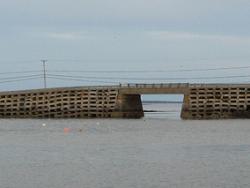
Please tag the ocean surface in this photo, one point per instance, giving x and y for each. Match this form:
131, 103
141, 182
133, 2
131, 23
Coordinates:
158, 151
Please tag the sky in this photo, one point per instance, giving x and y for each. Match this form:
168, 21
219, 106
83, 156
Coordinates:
129, 35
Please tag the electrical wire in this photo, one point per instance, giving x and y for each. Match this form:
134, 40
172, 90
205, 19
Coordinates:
82, 80
136, 78
20, 77
18, 80
131, 71
110, 79
151, 71
21, 72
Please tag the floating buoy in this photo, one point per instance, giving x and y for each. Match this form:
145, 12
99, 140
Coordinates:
44, 124
66, 130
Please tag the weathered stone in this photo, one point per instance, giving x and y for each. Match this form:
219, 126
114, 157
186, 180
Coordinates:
201, 101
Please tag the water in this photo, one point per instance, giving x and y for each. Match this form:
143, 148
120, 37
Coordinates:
146, 153
163, 110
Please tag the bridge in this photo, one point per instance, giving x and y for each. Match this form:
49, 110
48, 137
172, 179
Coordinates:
201, 101
171, 88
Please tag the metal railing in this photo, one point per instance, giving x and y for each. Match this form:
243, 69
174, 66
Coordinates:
161, 85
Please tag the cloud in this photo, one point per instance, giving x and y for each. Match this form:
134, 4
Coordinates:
69, 35
168, 35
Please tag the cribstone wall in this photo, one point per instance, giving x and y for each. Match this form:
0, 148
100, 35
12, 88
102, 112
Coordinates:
217, 101
59, 103
201, 101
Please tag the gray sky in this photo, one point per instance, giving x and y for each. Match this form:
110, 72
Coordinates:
124, 35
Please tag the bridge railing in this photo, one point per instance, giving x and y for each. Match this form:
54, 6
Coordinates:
162, 85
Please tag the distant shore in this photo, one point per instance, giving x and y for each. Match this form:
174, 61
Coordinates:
160, 102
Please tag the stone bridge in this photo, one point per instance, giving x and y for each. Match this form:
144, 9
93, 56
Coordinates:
201, 101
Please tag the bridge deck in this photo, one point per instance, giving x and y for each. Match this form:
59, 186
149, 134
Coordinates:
171, 88
179, 88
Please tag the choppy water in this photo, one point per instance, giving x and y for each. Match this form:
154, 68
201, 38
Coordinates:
146, 153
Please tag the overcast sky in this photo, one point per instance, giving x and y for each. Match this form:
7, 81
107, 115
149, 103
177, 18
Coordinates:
124, 35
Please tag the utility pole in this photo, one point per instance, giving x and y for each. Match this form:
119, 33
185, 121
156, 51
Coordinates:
44, 72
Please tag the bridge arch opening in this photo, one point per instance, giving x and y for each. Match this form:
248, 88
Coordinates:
162, 105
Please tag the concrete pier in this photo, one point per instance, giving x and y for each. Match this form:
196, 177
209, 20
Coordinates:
201, 101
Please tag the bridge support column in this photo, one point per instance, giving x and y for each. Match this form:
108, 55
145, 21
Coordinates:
128, 106
185, 107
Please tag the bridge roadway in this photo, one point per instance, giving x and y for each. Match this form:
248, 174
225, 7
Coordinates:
174, 88
161, 88
171, 88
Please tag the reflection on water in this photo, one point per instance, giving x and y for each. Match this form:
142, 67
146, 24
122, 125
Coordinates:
166, 110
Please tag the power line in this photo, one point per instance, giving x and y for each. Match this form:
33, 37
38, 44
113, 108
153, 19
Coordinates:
103, 79
20, 77
138, 78
19, 61
18, 80
82, 80
32, 77
20, 72
130, 71
151, 71
110, 79
213, 69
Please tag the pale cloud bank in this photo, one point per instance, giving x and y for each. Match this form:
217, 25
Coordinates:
69, 35
169, 35
154, 35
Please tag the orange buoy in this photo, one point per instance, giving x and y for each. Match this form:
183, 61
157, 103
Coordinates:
66, 130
